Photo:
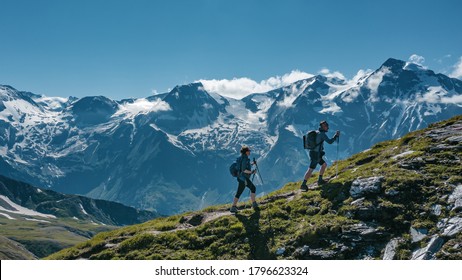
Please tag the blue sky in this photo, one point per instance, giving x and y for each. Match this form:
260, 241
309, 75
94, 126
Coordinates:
124, 49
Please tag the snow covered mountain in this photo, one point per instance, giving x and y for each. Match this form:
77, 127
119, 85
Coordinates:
170, 152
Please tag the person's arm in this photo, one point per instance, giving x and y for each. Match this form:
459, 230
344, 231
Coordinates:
244, 165
330, 140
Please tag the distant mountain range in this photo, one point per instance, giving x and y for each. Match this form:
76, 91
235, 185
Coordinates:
37, 222
170, 152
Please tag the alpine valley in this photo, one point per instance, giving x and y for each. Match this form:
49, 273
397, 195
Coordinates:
170, 152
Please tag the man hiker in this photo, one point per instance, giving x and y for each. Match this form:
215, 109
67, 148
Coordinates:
317, 153
244, 180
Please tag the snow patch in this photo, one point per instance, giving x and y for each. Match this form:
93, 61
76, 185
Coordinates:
331, 109
7, 216
18, 209
35, 220
83, 210
375, 80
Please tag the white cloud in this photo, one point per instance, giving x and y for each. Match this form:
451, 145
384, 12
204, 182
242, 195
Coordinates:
326, 72
417, 59
457, 72
456, 99
143, 105
241, 87
439, 95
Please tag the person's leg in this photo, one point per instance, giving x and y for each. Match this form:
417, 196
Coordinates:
308, 174
240, 189
321, 173
253, 190
323, 169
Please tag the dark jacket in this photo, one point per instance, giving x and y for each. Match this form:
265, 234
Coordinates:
320, 138
245, 165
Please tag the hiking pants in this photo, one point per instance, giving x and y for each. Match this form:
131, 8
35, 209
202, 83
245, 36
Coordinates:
242, 185
316, 158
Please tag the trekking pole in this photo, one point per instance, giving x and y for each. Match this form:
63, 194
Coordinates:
258, 171
338, 140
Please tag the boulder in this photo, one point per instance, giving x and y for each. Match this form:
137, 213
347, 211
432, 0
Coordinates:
390, 249
418, 234
302, 252
365, 186
455, 199
362, 232
450, 227
429, 251
436, 209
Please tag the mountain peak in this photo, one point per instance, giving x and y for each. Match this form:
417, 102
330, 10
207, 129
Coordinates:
192, 91
94, 109
394, 63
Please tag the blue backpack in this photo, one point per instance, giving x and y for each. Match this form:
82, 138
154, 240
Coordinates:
235, 168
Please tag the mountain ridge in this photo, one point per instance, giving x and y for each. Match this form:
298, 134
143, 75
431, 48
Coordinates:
37, 222
177, 153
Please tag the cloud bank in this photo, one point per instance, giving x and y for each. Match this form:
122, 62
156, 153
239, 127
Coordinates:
241, 87
457, 72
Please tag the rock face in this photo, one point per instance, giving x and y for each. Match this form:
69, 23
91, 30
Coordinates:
366, 186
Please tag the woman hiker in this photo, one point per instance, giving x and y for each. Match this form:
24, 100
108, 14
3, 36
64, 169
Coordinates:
244, 180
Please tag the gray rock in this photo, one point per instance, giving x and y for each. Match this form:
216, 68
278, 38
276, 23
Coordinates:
358, 201
302, 252
436, 209
362, 232
429, 251
322, 254
280, 251
456, 198
391, 192
454, 139
418, 234
450, 227
390, 249
363, 186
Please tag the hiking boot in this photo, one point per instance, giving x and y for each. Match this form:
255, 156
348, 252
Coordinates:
303, 188
233, 209
322, 182
255, 205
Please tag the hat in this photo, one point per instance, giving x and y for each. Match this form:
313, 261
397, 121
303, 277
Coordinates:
244, 149
323, 122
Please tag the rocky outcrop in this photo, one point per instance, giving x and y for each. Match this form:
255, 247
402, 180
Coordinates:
429, 251
391, 248
455, 199
366, 186
450, 227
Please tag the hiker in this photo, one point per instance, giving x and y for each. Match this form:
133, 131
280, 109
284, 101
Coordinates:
244, 180
317, 153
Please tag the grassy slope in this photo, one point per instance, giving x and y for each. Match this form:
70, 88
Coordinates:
289, 219
42, 238
11, 250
